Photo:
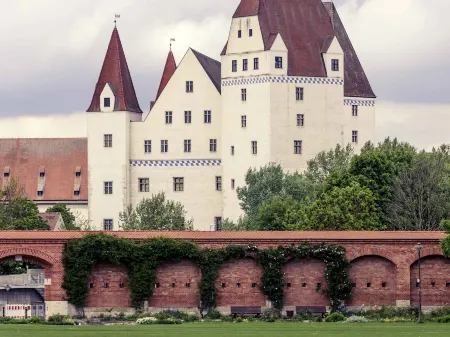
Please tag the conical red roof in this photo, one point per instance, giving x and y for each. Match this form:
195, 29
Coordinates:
115, 72
169, 70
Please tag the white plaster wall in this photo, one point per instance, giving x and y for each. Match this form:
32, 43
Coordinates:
334, 52
107, 92
364, 123
245, 44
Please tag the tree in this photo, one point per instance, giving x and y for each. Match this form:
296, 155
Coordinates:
155, 213
328, 162
421, 195
66, 214
277, 214
343, 209
445, 243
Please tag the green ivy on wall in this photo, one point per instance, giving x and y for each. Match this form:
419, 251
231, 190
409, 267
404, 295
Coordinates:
143, 259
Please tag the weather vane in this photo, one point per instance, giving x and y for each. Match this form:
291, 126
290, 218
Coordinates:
117, 16
171, 40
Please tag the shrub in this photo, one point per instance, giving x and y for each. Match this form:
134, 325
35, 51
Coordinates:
147, 320
227, 319
335, 317
58, 319
356, 319
444, 319
440, 312
307, 316
271, 315
239, 320
390, 312
214, 315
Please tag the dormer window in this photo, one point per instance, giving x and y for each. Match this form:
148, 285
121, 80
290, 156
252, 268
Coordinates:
107, 102
40, 193
6, 172
239, 34
278, 62
250, 32
78, 171
42, 172
76, 193
189, 86
335, 65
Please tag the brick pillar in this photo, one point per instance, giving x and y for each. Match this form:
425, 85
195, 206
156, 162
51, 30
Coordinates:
55, 302
403, 296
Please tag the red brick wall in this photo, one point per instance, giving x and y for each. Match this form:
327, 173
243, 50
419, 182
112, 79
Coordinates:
172, 291
301, 279
114, 296
375, 271
238, 277
433, 269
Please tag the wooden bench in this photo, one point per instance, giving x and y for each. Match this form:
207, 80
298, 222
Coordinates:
235, 311
316, 310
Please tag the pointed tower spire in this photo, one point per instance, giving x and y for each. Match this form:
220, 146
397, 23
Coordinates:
116, 74
169, 70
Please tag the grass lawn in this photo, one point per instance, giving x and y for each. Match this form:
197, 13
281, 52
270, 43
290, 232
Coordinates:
231, 329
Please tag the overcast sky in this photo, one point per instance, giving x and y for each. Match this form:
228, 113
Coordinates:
52, 52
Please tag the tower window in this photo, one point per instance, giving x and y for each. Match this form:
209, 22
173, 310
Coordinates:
239, 34
335, 65
188, 117
355, 136
107, 140
107, 102
354, 110
187, 145
178, 184
234, 66
148, 146
297, 147
168, 117
300, 120
250, 32
207, 118
108, 225
255, 147
256, 63
244, 95
144, 185
278, 62
189, 86
218, 183
218, 223
244, 121
164, 146
108, 187
245, 64
213, 145
299, 94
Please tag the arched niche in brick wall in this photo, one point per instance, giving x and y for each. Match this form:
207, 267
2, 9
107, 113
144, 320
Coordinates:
376, 281
304, 282
108, 286
177, 285
239, 284
435, 276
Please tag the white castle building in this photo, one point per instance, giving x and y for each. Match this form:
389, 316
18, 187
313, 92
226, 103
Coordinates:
288, 86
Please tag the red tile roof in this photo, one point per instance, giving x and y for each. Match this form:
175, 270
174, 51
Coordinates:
59, 156
307, 27
115, 72
230, 236
169, 70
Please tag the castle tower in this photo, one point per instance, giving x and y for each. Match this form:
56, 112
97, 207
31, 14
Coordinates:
114, 105
283, 95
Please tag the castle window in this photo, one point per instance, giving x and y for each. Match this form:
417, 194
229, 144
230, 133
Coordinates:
107, 102
288, 285
91, 285
299, 94
164, 146
233, 184
107, 225
122, 285
189, 86
218, 223
178, 184
232, 150
40, 193
304, 285
172, 285
383, 284
213, 145
318, 286
250, 32
76, 193
107, 140
187, 145
256, 63
148, 146
223, 285
144, 185
354, 110
447, 284
278, 62
244, 121
335, 65
369, 284
156, 285
108, 187
355, 136
239, 34
253, 285
188, 285
218, 183
106, 285
297, 147
433, 284
234, 66
207, 118
238, 285
244, 94
245, 64
187, 117
300, 120
255, 147
168, 117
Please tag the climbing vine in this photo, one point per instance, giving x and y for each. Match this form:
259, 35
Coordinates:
143, 258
